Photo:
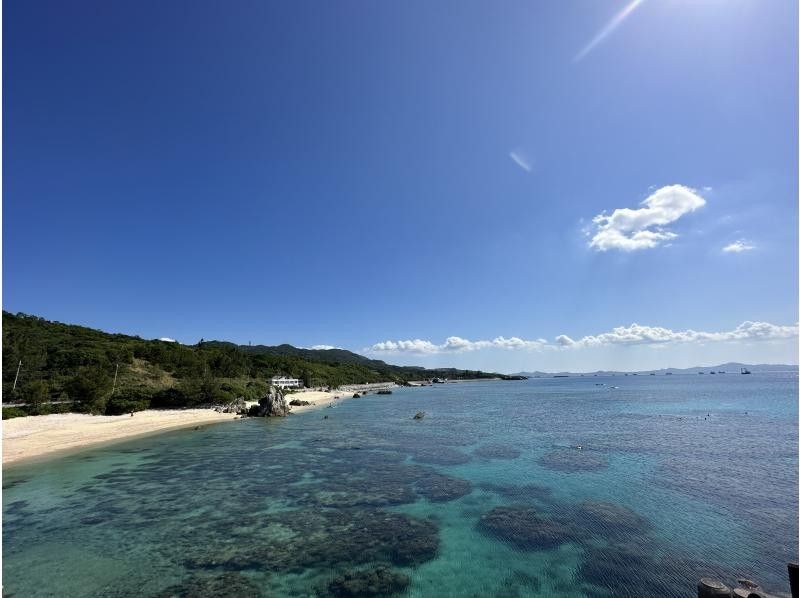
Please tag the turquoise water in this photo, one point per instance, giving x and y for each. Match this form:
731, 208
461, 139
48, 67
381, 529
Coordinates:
678, 477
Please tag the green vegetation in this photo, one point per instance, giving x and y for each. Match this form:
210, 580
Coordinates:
74, 367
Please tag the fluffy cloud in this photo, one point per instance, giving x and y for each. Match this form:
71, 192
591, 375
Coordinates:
454, 344
322, 347
629, 229
166, 339
635, 334
738, 246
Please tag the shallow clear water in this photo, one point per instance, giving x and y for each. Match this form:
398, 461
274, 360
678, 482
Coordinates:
488, 495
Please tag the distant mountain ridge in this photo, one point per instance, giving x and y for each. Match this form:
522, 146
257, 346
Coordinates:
729, 368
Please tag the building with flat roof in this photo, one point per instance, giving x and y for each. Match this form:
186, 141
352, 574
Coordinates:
284, 382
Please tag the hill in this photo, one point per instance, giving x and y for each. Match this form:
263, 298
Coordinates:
75, 366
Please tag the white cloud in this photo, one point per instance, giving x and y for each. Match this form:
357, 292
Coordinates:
453, 344
635, 334
523, 160
322, 347
166, 339
564, 341
738, 246
629, 229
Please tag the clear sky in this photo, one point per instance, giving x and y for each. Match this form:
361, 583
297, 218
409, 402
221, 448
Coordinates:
528, 180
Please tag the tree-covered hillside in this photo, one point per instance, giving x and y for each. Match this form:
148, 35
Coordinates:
75, 366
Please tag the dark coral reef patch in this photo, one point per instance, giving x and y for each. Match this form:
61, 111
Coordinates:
524, 528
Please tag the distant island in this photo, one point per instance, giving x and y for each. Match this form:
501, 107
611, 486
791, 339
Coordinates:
726, 368
66, 368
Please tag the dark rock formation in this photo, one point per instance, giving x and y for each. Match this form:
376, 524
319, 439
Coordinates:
523, 528
227, 584
273, 405
384, 392
379, 581
298, 403
437, 487
497, 451
621, 570
610, 520
320, 539
419, 415
237, 406
356, 396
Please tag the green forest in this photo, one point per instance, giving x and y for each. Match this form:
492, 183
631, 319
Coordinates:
73, 368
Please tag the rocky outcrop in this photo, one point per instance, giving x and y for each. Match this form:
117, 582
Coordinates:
237, 406
272, 405
298, 403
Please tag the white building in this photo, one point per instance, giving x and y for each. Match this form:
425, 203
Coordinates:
285, 382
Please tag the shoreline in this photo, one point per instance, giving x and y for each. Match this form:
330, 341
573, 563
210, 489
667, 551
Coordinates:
41, 437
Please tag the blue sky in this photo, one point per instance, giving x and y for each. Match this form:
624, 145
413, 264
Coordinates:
378, 176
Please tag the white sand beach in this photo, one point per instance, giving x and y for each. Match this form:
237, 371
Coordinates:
33, 437
317, 398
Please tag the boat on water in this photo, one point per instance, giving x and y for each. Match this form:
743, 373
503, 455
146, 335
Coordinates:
745, 371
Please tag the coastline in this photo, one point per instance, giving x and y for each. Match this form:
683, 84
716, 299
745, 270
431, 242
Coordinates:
38, 437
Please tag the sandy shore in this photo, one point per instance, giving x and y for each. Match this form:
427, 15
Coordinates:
317, 398
29, 438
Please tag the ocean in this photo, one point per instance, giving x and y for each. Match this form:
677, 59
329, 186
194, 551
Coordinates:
580, 486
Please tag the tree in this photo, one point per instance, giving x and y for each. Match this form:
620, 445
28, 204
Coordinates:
90, 386
35, 393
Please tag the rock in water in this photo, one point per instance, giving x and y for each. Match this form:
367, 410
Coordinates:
273, 405
380, 581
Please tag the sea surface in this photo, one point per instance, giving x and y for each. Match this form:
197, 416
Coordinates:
676, 477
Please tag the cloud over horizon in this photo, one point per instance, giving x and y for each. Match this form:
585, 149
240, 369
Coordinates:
629, 229
635, 334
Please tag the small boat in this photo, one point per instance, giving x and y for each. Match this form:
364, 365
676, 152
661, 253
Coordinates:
745, 371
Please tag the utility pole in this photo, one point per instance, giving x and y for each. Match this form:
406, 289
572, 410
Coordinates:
16, 377
114, 387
